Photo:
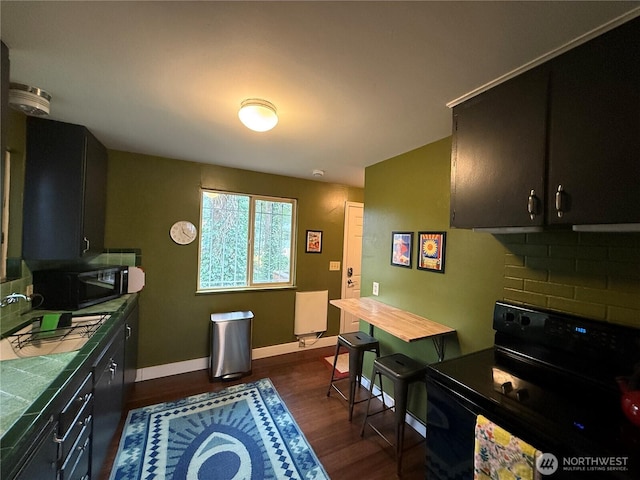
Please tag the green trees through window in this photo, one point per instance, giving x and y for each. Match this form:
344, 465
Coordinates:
245, 241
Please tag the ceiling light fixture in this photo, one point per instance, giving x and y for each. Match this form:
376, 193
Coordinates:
30, 100
258, 115
318, 173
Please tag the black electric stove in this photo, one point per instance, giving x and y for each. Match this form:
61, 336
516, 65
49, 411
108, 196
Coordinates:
550, 379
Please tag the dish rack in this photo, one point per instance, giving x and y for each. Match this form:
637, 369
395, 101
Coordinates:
33, 339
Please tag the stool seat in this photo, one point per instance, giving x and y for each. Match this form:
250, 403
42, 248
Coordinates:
357, 340
356, 343
400, 367
402, 371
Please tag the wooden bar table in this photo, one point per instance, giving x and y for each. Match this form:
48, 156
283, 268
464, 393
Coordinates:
399, 323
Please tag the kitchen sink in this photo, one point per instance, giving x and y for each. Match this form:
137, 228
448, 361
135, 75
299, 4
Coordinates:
30, 341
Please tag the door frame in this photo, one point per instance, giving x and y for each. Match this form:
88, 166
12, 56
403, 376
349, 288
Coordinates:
343, 281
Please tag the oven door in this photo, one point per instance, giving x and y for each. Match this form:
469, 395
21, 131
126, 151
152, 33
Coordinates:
449, 439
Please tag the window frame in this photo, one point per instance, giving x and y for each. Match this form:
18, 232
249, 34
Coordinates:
250, 285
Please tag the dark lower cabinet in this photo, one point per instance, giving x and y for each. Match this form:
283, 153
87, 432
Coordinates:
109, 400
42, 464
75, 422
86, 413
62, 448
131, 335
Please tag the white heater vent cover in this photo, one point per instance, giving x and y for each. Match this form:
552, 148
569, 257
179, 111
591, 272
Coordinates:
29, 100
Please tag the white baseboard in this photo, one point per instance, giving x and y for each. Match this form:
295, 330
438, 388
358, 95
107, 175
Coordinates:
159, 371
273, 350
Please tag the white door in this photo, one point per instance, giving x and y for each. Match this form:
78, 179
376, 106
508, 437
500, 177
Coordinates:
351, 261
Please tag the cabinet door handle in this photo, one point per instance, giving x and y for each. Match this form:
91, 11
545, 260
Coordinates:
85, 422
113, 368
83, 447
532, 204
83, 398
559, 202
128, 334
87, 244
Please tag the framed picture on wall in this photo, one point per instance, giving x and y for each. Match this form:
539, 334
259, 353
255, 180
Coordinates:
401, 247
430, 251
314, 241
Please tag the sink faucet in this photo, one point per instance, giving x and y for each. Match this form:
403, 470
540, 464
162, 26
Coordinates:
13, 298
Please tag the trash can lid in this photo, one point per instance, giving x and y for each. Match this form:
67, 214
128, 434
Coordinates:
225, 317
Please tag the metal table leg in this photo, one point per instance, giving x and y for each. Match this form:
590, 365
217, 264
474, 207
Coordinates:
438, 343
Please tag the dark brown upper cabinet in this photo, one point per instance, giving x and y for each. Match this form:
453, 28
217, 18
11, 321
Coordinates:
556, 145
65, 192
594, 131
498, 155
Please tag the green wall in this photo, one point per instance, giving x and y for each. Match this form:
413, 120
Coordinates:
411, 193
590, 274
146, 195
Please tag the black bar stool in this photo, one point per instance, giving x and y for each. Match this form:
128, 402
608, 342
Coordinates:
356, 343
402, 371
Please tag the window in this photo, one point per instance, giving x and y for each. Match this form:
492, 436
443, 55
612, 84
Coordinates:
245, 241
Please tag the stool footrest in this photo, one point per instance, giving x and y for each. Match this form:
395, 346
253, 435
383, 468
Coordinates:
355, 401
381, 434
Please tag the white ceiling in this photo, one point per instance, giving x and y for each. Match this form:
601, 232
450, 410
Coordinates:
354, 83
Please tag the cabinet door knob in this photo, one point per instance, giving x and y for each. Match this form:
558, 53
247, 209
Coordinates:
532, 204
559, 201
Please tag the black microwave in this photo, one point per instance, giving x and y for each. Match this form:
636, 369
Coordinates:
77, 287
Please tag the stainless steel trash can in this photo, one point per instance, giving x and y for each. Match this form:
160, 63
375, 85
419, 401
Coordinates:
230, 345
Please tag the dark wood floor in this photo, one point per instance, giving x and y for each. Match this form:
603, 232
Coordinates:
302, 379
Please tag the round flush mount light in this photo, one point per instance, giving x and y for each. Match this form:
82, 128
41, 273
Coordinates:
258, 115
317, 173
30, 100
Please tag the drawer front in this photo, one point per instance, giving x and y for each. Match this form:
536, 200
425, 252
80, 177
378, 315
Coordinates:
82, 420
76, 403
76, 465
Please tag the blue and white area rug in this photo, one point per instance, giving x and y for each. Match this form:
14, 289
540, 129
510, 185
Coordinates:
242, 432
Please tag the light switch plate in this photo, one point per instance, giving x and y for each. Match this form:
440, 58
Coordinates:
333, 266
376, 288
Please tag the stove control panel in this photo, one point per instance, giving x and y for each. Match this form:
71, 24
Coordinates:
598, 340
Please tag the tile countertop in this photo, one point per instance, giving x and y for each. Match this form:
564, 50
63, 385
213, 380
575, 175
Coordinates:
27, 385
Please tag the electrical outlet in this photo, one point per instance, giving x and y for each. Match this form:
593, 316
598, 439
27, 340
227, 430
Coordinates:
28, 291
376, 288
333, 266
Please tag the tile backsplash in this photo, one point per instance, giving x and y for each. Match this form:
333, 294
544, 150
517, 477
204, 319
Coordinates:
595, 275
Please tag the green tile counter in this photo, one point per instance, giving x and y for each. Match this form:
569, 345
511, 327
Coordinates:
28, 386
23, 380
